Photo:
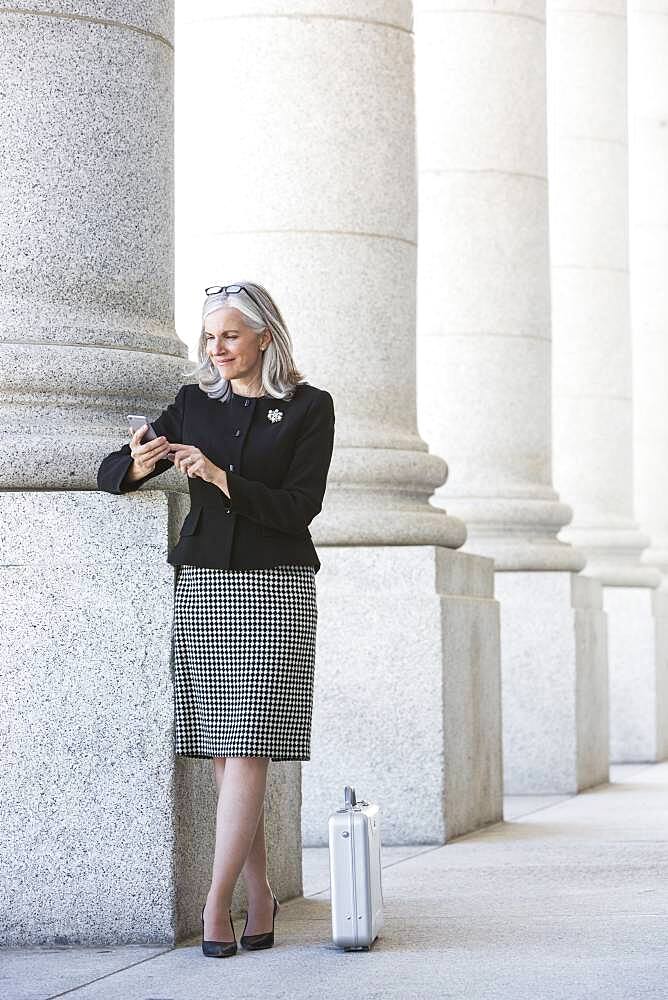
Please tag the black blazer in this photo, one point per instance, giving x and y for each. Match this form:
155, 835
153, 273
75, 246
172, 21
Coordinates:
276, 454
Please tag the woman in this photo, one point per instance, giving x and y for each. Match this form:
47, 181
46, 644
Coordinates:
256, 444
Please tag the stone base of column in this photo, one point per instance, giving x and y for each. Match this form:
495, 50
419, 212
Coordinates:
110, 835
407, 700
638, 651
554, 681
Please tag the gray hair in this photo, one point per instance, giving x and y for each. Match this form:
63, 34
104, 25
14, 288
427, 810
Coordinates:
279, 372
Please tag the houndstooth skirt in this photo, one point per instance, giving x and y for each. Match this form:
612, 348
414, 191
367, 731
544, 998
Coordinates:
243, 643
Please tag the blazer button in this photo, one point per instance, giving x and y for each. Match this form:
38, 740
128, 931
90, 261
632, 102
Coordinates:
227, 510
237, 433
231, 468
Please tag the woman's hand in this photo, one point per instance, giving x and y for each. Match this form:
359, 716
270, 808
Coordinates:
189, 459
147, 455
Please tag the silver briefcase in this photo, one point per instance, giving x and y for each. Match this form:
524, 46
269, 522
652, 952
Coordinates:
355, 878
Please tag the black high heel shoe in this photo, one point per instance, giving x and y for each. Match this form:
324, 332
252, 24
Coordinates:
253, 942
219, 949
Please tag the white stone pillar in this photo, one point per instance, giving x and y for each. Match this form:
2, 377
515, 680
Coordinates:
648, 245
87, 233
296, 149
484, 374
648, 266
592, 385
88, 778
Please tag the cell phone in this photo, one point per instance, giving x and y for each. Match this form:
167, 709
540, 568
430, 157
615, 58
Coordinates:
136, 421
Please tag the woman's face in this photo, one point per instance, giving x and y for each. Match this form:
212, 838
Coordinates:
232, 346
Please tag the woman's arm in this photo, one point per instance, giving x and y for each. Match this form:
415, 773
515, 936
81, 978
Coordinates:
293, 506
117, 471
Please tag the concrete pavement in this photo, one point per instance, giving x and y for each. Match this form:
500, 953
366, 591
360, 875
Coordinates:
566, 899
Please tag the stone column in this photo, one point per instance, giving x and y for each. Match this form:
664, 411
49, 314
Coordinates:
98, 822
297, 151
648, 246
592, 387
86, 287
484, 375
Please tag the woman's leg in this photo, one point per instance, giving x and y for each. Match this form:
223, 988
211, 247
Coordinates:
219, 771
240, 803
258, 890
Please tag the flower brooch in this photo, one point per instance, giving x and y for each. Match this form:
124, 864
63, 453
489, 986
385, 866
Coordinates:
275, 415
